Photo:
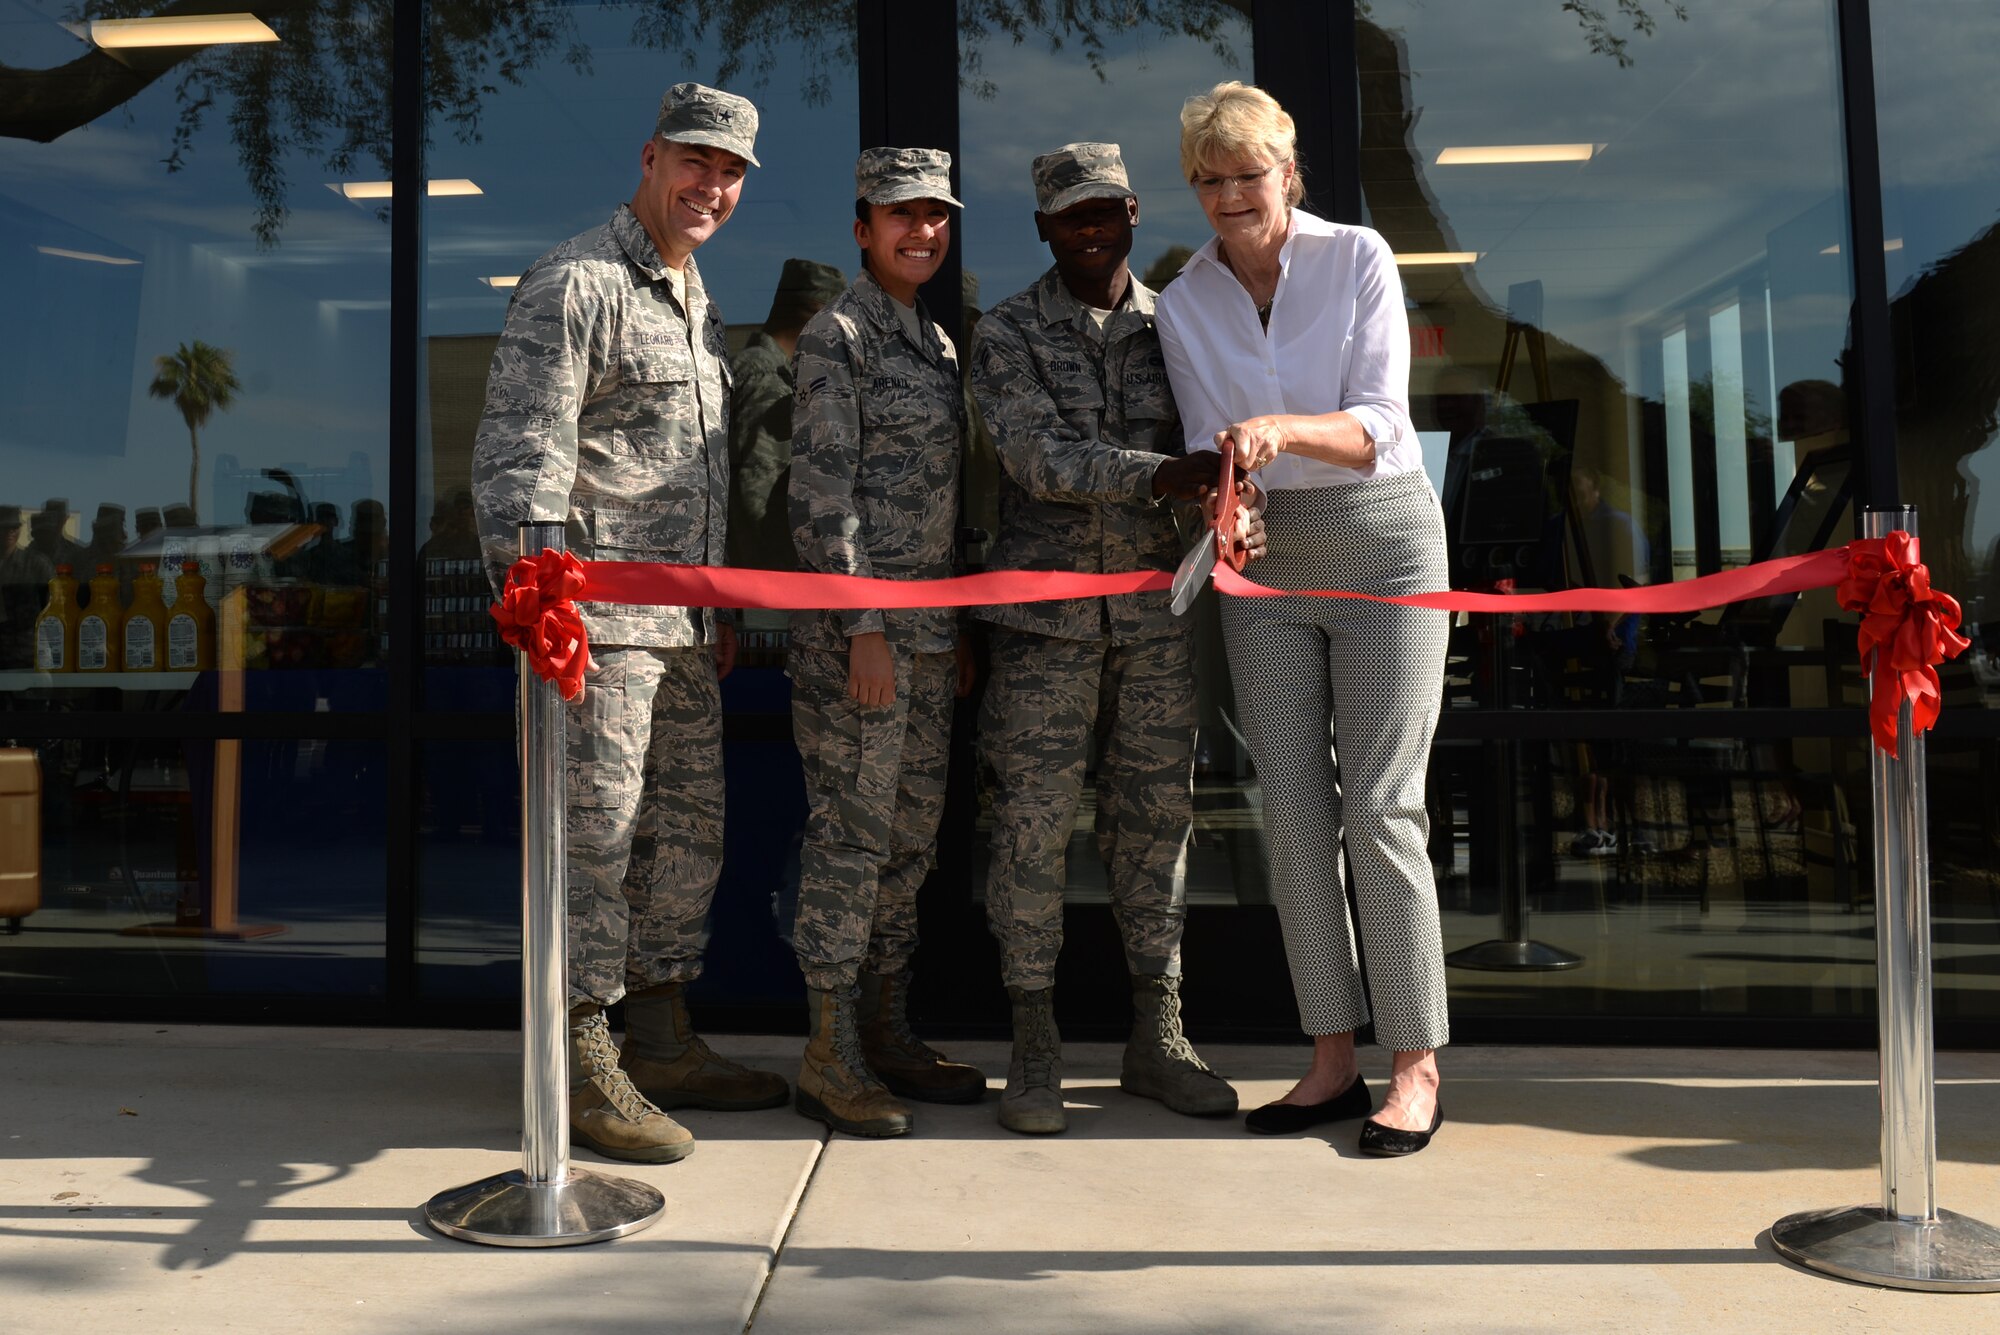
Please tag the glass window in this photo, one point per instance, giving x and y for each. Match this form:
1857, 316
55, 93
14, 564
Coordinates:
187, 867
1629, 285
1940, 200
1701, 876
196, 252
1121, 81
1625, 257
551, 149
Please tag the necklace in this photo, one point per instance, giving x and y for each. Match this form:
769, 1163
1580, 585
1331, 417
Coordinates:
1263, 307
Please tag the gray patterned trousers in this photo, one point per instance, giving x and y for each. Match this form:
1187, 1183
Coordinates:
1339, 700
644, 779
1046, 700
875, 791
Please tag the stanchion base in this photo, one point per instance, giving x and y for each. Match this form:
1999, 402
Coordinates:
510, 1211
1513, 957
1866, 1243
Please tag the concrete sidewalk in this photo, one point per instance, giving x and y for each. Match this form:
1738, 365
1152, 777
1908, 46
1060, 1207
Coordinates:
198, 1179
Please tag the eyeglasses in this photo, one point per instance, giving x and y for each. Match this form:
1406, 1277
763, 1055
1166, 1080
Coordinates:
1245, 182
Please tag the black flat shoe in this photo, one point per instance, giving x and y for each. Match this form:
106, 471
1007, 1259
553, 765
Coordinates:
1283, 1119
1388, 1142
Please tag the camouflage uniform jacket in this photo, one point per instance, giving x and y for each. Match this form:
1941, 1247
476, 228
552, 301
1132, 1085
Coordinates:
877, 429
1081, 427
760, 456
600, 413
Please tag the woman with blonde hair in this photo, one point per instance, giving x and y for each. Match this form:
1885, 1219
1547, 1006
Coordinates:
1286, 342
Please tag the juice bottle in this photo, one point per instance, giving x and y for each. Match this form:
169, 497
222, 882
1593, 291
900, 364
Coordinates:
101, 632
173, 552
55, 628
191, 626
145, 623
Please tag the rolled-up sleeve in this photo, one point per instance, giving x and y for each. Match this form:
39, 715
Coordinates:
1377, 387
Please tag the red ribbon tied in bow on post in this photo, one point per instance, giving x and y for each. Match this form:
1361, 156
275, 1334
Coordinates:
1909, 627
537, 615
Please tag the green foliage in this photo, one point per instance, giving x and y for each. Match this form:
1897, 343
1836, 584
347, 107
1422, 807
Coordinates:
200, 380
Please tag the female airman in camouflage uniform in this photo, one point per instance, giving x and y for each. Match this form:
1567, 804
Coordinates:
877, 431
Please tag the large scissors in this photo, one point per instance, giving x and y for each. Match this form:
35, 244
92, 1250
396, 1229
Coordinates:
1217, 543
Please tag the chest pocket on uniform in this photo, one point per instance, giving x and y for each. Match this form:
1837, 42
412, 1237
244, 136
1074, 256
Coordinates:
1151, 423
905, 418
660, 379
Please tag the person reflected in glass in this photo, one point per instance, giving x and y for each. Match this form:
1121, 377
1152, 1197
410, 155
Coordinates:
107, 542
1606, 644
48, 536
1070, 376
760, 418
367, 544
24, 588
878, 428
606, 412
1287, 343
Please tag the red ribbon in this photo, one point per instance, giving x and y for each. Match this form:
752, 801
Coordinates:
537, 615
1907, 626
1880, 577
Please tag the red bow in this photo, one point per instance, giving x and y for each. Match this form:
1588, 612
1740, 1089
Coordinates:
1909, 627
537, 615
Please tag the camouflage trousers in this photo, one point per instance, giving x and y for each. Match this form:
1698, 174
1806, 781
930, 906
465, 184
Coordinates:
875, 788
645, 819
1047, 700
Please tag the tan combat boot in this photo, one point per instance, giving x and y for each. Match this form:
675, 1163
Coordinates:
670, 1064
605, 1112
835, 1084
1159, 1061
1032, 1102
908, 1066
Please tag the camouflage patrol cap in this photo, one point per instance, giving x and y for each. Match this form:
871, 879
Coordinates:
811, 279
693, 113
1076, 172
892, 175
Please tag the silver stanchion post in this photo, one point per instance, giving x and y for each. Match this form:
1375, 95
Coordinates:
548, 1203
1907, 1242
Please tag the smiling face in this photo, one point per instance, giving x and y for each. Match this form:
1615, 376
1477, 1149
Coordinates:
1090, 239
905, 242
1244, 211
686, 191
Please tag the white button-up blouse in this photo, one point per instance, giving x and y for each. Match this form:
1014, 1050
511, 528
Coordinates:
1339, 340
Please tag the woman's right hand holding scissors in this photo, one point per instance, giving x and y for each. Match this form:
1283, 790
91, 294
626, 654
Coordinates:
1256, 441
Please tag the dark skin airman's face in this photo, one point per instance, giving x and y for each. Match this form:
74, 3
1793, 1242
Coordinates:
1090, 241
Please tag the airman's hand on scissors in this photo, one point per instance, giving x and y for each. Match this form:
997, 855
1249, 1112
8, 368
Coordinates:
1249, 514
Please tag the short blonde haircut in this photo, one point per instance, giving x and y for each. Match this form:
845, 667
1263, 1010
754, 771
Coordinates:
1239, 120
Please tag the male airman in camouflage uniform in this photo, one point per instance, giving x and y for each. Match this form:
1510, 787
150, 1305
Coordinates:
1070, 378
760, 419
876, 438
606, 409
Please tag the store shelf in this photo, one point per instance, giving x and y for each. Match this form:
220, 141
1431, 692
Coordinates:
123, 681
